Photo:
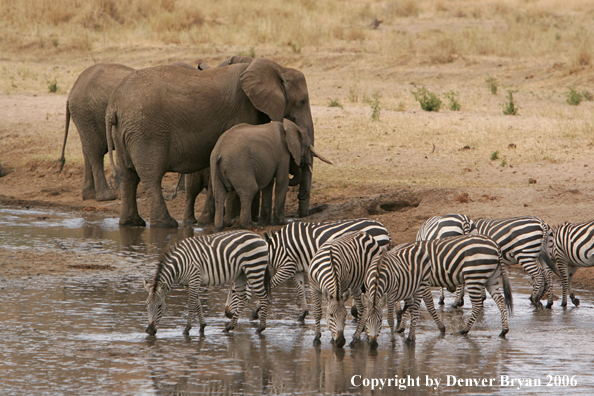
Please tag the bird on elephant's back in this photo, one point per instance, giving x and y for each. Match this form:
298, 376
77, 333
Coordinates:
167, 119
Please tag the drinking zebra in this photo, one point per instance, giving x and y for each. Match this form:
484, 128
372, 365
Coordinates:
212, 260
395, 276
573, 248
452, 224
473, 260
337, 270
292, 248
523, 240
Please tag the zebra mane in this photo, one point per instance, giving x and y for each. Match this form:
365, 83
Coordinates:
377, 271
166, 255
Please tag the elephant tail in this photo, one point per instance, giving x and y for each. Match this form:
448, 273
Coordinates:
111, 120
62, 159
224, 180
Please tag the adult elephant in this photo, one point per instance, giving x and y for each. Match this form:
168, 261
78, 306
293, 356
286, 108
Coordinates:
86, 105
167, 119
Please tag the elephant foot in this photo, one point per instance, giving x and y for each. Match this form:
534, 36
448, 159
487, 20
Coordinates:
205, 219
167, 223
106, 195
189, 221
136, 221
88, 194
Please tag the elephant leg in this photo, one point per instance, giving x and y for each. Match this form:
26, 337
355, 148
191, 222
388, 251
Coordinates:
102, 190
266, 212
160, 217
232, 208
208, 211
88, 184
280, 195
304, 190
195, 183
128, 209
256, 207
246, 196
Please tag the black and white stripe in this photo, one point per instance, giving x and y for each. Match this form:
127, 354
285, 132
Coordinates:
337, 270
473, 260
573, 248
218, 259
523, 240
452, 224
402, 274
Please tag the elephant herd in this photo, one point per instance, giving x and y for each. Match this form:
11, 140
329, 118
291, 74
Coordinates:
169, 119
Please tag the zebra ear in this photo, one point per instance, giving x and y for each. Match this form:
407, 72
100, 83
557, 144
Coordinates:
267, 237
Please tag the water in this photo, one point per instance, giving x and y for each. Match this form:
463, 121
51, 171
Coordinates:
84, 334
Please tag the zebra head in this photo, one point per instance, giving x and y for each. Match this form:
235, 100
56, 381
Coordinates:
155, 305
375, 291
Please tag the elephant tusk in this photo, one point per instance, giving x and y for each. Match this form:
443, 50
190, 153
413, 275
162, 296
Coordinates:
320, 156
310, 168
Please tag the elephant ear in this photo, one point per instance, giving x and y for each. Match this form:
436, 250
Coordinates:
294, 137
235, 59
262, 82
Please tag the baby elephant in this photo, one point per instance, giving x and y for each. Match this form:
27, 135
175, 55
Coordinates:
248, 158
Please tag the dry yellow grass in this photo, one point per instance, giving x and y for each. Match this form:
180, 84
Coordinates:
536, 47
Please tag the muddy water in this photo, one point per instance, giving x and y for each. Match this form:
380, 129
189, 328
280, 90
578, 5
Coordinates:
85, 334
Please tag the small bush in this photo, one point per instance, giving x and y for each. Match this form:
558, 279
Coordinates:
427, 99
452, 98
510, 108
52, 86
573, 97
334, 103
375, 107
494, 155
492, 83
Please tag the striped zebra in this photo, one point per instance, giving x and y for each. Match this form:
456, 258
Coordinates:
218, 259
395, 276
523, 240
452, 224
474, 261
336, 271
292, 248
573, 248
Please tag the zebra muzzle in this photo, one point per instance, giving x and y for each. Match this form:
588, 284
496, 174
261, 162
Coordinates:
340, 341
151, 329
373, 342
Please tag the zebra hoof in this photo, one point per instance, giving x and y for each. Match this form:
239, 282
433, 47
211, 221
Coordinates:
409, 341
564, 304
441, 302
228, 328
202, 326
549, 305
301, 317
228, 313
187, 330
442, 330
463, 332
503, 333
260, 330
255, 315
317, 341
576, 302
400, 330
354, 312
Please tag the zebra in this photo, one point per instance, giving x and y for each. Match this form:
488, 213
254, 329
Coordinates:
523, 240
293, 246
217, 259
474, 260
400, 274
452, 224
336, 271
573, 248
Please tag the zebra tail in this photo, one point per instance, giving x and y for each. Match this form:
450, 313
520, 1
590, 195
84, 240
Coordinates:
507, 292
550, 263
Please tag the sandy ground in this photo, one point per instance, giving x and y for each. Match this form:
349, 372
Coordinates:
432, 182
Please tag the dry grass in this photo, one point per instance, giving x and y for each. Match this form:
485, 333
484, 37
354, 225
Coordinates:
537, 47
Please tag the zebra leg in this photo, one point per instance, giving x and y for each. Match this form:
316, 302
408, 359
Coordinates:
256, 282
231, 301
425, 293
240, 286
459, 301
563, 270
441, 296
300, 285
549, 286
476, 298
534, 270
414, 317
194, 306
362, 317
572, 296
316, 298
500, 301
391, 310
399, 315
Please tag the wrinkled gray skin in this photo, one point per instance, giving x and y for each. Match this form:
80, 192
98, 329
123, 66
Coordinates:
86, 106
249, 158
168, 119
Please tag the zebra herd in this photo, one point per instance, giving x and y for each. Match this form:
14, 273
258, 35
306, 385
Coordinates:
351, 258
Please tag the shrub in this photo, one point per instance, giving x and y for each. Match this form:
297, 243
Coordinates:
427, 99
492, 83
573, 97
334, 103
452, 98
375, 107
494, 155
510, 108
52, 86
